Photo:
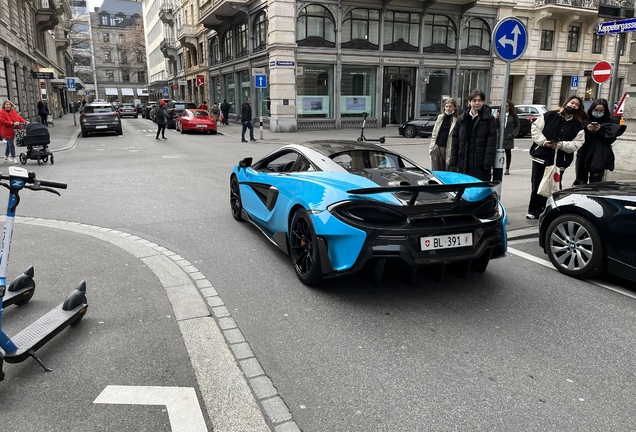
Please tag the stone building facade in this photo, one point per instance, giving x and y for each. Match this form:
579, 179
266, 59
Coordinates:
328, 61
34, 38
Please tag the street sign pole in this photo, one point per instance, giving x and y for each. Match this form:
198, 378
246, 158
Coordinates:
614, 82
260, 105
510, 42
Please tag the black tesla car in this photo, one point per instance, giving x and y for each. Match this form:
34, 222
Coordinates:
590, 229
422, 127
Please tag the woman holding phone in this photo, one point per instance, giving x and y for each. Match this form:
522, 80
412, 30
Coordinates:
596, 155
556, 135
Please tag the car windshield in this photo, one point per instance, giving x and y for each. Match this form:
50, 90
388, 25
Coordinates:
428, 108
357, 160
179, 106
97, 109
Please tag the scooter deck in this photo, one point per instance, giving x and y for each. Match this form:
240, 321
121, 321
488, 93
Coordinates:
13, 297
41, 331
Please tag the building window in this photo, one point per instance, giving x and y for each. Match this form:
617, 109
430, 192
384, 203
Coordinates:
105, 37
547, 37
123, 57
357, 89
244, 79
226, 54
141, 76
125, 76
401, 31
230, 91
122, 38
104, 19
315, 27
476, 38
108, 56
315, 91
214, 51
110, 75
260, 32
241, 40
597, 44
361, 29
574, 35
439, 34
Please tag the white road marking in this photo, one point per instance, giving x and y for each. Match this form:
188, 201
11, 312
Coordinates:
181, 403
546, 263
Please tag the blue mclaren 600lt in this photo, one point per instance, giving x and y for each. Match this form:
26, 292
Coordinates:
336, 207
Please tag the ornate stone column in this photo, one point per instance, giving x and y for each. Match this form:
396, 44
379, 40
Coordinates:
282, 79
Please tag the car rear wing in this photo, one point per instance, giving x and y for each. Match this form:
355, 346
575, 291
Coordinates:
458, 188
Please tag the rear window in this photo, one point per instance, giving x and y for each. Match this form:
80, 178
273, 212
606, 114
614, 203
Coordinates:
98, 109
179, 106
356, 160
200, 114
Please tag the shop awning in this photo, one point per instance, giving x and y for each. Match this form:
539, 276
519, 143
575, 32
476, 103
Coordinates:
127, 92
142, 92
111, 91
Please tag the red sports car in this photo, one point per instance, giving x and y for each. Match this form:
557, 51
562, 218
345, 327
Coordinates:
196, 120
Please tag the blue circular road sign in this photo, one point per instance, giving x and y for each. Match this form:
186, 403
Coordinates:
510, 39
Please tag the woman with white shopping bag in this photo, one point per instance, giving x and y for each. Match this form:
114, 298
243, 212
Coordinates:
556, 135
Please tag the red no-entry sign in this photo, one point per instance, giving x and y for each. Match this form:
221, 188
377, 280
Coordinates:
601, 72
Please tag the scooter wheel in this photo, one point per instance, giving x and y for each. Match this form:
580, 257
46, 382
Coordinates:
23, 158
359, 139
51, 159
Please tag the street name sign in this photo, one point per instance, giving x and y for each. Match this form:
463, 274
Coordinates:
610, 27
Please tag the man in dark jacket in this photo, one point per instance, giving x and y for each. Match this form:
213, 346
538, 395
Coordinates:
161, 119
475, 139
246, 119
225, 110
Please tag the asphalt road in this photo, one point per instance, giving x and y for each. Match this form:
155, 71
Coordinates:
519, 348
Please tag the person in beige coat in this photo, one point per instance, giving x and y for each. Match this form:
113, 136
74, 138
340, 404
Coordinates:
442, 136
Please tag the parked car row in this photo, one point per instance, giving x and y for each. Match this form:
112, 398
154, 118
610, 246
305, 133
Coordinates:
423, 126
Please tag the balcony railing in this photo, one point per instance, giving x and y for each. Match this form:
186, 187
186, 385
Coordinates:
584, 4
187, 30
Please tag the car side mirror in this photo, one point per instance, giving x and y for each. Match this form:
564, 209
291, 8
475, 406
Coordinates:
245, 163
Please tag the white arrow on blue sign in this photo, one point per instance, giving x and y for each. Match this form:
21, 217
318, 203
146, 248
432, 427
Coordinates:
510, 39
70, 84
260, 81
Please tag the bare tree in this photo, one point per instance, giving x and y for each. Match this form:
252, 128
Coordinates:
133, 49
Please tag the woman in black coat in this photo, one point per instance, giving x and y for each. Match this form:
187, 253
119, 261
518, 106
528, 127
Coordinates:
596, 155
511, 129
475, 139
556, 135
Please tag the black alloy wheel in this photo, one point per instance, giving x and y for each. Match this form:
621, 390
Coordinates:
575, 247
304, 249
235, 199
410, 131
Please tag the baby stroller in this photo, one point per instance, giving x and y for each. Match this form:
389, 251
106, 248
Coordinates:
35, 137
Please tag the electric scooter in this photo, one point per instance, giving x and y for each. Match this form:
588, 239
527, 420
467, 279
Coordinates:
28, 341
381, 140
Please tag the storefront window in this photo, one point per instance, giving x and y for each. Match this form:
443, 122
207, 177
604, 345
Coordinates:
357, 91
217, 92
230, 91
244, 77
435, 90
470, 80
315, 91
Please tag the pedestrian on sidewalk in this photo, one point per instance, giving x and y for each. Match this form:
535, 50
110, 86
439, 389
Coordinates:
556, 135
596, 155
160, 119
43, 112
9, 118
215, 112
225, 109
246, 119
204, 106
442, 136
511, 129
475, 139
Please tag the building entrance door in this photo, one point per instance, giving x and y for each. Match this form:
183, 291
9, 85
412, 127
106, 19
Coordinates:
398, 95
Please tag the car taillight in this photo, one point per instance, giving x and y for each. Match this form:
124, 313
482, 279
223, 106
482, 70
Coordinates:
532, 118
370, 215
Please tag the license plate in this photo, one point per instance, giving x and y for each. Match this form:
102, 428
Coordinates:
202, 126
446, 241
101, 127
